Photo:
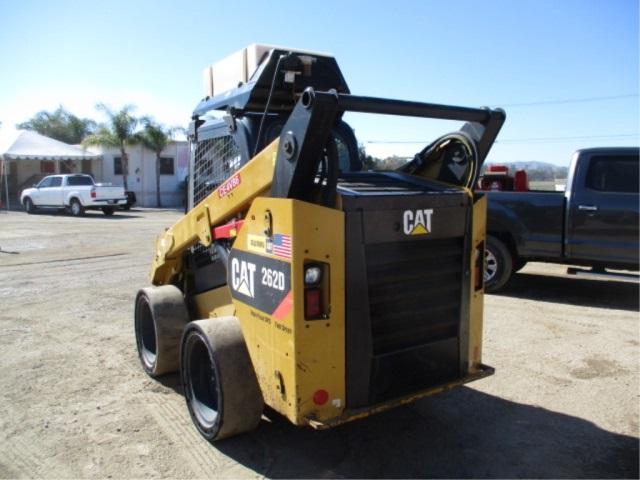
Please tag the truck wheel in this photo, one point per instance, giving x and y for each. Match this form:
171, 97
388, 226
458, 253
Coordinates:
29, 207
76, 208
498, 264
160, 318
218, 379
108, 211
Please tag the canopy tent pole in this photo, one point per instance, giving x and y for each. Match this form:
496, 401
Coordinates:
4, 173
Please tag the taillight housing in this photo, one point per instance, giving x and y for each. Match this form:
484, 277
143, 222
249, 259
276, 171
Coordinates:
316, 290
93, 193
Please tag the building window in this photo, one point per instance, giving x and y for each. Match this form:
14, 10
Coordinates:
117, 165
166, 165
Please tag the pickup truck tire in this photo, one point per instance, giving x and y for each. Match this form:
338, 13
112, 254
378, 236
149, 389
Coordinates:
218, 379
29, 207
160, 318
498, 264
76, 208
108, 211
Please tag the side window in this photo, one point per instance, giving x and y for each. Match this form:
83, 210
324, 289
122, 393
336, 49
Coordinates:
56, 182
117, 166
166, 166
46, 182
613, 174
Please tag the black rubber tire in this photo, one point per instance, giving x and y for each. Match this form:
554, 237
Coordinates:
126, 207
159, 320
218, 379
76, 208
497, 274
29, 207
108, 211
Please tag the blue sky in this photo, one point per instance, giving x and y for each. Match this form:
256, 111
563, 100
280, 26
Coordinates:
472, 53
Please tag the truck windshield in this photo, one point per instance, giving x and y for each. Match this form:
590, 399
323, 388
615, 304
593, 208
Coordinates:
79, 180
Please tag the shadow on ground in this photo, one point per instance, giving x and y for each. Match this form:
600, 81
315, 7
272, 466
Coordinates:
460, 434
573, 291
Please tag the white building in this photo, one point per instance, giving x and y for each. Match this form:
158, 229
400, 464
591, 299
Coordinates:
174, 167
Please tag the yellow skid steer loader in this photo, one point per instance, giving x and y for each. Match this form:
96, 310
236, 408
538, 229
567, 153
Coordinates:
298, 278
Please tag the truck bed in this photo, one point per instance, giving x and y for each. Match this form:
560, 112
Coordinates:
535, 219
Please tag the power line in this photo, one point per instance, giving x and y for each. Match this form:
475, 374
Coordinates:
516, 140
570, 100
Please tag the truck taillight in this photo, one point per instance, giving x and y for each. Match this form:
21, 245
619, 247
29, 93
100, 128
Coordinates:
93, 193
316, 289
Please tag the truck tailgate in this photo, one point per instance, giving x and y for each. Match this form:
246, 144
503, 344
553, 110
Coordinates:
108, 193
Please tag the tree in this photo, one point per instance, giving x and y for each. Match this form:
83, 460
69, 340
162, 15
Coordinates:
119, 132
156, 138
61, 125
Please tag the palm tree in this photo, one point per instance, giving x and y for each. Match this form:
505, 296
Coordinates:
118, 132
156, 138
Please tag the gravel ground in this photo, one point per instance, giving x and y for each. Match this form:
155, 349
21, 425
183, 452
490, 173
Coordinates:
75, 403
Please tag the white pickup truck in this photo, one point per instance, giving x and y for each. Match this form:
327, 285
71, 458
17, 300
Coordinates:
74, 192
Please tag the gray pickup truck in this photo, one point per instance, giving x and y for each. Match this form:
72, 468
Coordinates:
593, 223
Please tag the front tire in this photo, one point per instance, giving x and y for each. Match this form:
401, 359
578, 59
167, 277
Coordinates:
29, 207
498, 264
160, 317
76, 208
218, 379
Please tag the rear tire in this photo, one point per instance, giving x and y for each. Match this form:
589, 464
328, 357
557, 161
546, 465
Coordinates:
498, 264
160, 318
29, 207
108, 211
76, 208
218, 379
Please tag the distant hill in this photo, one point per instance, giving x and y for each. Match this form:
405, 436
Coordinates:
535, 170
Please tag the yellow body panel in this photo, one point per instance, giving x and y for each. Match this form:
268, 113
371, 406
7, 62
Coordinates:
214, 303
295, 357
476, 302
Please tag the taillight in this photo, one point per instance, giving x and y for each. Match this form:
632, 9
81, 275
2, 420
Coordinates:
93, 193
479, 267
312, 303
316, 290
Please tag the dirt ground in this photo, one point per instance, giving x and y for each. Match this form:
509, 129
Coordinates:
74, 401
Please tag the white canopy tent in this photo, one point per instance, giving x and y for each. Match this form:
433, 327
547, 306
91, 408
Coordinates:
25, 145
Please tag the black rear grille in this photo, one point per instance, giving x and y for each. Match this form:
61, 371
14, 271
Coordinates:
414, 292
414, 303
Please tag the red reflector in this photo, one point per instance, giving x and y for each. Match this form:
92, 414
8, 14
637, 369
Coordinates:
320, 397
312, 302
93, 194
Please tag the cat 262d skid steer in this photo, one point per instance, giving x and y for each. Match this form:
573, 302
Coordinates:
299, 279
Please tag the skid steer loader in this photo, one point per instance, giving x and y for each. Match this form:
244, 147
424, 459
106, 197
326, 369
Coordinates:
299, 280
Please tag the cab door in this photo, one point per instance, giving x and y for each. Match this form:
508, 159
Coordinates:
603, 210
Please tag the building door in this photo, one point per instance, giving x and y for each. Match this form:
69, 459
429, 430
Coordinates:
47, 167
86, 167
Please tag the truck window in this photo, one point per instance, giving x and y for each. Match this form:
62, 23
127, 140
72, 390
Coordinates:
45, 183
613, 174
56, 182
79, 181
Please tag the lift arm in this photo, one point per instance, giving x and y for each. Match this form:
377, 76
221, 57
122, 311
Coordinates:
229, 200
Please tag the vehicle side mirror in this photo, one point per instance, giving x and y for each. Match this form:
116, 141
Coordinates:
35, 185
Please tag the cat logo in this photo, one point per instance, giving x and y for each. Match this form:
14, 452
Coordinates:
417, 222
242, 277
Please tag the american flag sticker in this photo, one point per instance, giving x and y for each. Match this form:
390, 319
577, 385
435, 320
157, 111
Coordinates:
282, 245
